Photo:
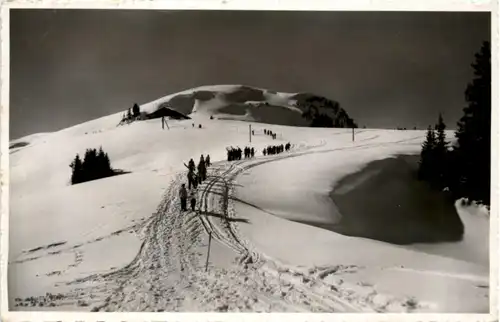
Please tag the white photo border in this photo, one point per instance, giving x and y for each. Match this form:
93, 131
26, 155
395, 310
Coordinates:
275, 5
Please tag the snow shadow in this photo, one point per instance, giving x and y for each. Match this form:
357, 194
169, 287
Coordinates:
230, 219
385, 201
18, 145
116, 172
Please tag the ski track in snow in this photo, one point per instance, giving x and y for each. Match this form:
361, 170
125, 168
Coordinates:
168, 273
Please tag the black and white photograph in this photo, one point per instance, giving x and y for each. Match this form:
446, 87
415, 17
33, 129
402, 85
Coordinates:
249, 161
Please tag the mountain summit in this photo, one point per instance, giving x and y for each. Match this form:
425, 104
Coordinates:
245, 103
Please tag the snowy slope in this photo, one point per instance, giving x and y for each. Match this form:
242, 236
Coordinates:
121, 243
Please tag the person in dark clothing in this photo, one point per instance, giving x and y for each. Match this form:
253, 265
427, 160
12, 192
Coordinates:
252, 152
183, 196
193, 201
196, 180
191, 165
201, 169
207, 160
190, 177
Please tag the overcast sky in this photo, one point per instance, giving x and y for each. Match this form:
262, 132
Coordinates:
386, 69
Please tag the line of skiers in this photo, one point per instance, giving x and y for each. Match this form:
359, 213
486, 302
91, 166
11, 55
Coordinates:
276, 149
270, 133
194, 179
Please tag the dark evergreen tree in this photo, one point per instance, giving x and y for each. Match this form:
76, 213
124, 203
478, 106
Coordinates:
76, 175
136, 111
440, 154
473, 135
88, 162
107, 164
426, 165
103, 166
95, 165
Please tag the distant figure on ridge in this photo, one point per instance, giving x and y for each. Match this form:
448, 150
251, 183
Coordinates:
207, 160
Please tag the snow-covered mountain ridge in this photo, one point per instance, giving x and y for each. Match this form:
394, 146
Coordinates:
245, 103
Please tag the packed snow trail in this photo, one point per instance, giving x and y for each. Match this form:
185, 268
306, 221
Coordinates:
168, 273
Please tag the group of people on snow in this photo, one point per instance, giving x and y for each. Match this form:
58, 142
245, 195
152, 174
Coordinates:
249, 152
276, 149
194, 179
236, 153
233, 154
270, 133
198, 173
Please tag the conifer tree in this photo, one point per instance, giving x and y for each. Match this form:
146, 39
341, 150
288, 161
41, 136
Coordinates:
473, 134
100, 166
107, 164
426, 165
95, 165
76, 175
440, 153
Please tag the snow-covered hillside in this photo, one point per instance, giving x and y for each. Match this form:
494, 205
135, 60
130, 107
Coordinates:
122, 244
